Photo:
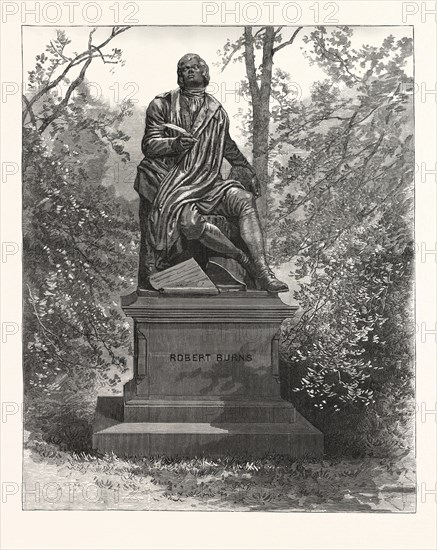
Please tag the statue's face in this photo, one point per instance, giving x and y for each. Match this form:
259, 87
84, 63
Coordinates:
192, 74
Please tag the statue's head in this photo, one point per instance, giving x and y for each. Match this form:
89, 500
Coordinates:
193, 72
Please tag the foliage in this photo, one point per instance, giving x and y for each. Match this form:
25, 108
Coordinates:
55, 68
80, 252
341, 215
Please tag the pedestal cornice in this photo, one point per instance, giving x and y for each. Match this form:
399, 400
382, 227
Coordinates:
230, 307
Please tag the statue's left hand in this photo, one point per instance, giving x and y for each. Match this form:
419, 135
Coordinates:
255, 186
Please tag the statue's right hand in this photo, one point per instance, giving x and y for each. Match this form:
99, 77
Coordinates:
185, 142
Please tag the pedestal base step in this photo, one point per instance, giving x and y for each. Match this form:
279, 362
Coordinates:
210, 412
203, 439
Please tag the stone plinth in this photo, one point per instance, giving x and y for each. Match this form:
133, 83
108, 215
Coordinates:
205, 380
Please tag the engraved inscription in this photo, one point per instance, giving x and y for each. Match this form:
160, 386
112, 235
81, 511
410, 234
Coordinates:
207, 357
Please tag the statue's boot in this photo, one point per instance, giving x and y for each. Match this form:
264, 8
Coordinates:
216, 240
258, 268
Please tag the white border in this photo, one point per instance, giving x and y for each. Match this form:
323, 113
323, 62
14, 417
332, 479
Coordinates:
113, 529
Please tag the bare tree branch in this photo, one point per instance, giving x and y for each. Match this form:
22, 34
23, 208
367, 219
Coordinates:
64, 102
235, 49
288, 42
60, 53
90, 38
30, 111
259, 31
73, 63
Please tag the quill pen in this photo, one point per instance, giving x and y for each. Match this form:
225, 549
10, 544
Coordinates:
177, 129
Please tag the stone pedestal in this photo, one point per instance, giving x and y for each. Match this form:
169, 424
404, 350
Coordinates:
205, 381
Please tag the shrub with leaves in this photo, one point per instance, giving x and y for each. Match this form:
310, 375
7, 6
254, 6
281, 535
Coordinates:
80, 253
340, 213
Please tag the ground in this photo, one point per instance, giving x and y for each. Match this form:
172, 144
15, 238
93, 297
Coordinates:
60, 480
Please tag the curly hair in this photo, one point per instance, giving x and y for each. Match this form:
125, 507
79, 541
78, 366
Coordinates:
204, 67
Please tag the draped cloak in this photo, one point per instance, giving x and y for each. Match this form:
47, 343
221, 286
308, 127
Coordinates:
169, 179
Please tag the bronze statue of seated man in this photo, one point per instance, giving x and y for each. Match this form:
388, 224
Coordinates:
180, 184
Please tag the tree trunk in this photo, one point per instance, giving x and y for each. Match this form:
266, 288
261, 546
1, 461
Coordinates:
260, 96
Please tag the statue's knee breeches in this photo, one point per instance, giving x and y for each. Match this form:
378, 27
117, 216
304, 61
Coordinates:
237, 202
191, 222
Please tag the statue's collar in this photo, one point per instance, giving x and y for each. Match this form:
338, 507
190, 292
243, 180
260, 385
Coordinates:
198, 93
205, 114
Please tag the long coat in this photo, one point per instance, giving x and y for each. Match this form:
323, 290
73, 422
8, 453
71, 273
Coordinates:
168, 180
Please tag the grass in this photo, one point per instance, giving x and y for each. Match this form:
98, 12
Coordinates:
88, 481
